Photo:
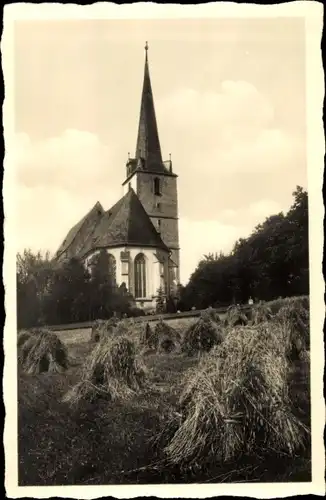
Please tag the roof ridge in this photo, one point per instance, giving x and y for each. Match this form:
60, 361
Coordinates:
80, 225
157, 234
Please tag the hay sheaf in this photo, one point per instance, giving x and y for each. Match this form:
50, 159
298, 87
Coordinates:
23, 336
260, 313
237, 403
102, 328
294, 318
202, 336
149, 337
112, 371
235, 317
43, 352
211, 314
169, 339
277, 304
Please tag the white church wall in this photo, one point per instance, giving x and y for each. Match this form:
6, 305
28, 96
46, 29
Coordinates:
154, 280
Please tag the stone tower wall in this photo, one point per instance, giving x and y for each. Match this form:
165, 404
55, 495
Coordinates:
163, 208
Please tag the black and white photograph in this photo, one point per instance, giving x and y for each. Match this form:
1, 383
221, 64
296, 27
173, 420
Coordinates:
163, 250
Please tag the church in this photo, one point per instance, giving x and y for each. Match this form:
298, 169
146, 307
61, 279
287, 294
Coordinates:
140, 232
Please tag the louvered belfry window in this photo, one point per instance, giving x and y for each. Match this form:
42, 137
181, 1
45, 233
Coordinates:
140, 276
157, 186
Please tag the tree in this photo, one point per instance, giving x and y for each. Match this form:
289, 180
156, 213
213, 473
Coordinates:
273, 261
68, 297
160, 301
34, 275
106, 297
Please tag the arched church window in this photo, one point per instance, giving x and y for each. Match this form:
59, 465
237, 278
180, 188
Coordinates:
112, 271
140, 276
157, 186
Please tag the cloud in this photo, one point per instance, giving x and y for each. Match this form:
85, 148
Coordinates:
224, 144
57, 182
71, 161
233, 104
233, 128
264, 208
219, 235
201, 237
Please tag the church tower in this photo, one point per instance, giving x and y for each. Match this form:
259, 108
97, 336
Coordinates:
153, 179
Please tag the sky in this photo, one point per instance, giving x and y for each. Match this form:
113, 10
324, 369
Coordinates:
230, 105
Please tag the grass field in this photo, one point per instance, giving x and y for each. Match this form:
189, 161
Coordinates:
80, 335
116, 443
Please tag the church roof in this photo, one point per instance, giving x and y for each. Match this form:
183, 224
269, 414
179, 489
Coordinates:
81, 230
148, 143
125, 224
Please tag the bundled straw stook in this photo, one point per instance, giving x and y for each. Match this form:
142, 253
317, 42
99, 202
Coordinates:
124, 327
260, 313
304, 356
112, 371
211, 314
202, 336
149, 338
23, 336
235, 317
42, 352
169, 339
236, 402
130, 328
294, 318
102, 328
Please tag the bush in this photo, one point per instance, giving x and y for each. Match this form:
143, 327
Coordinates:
42, 352
112, 371
236, 403
136, 312
201, 336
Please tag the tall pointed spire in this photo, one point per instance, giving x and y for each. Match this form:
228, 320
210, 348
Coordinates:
148, 143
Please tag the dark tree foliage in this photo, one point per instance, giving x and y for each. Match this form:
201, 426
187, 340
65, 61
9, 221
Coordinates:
48, 293
160, 301
272, 262
67, 301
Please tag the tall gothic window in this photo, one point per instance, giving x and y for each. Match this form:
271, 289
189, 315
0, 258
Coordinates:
112, 271
140, 276
157, 186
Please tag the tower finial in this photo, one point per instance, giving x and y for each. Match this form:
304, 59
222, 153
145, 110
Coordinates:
146, 46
